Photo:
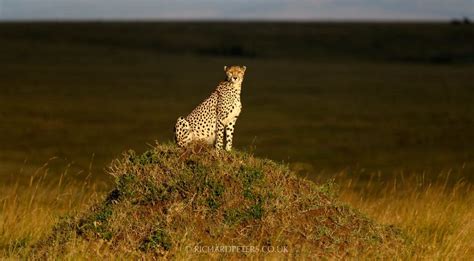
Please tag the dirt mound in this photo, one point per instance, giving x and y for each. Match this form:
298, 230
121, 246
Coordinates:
172, 202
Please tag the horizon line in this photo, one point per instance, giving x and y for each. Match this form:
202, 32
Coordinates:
216, 20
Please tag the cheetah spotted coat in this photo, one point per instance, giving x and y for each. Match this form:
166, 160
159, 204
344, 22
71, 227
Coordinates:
214, 119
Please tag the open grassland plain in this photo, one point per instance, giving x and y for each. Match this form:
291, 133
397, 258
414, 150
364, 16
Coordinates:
383, 108
330, 96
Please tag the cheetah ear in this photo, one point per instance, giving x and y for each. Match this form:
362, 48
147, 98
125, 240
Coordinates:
225, 68
244, 67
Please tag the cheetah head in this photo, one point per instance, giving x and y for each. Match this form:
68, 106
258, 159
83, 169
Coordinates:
235, 73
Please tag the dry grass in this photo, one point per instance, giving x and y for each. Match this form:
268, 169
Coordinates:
28, 211
436, 217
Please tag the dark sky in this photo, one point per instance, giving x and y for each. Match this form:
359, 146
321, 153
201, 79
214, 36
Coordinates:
236, 9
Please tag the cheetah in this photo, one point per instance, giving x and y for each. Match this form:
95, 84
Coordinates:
215, 117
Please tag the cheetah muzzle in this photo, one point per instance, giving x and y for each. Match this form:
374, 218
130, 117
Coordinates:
213, 120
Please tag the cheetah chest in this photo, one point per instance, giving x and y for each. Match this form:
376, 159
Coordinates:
235, 109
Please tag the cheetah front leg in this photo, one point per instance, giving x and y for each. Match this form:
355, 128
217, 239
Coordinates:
229, 132
220, 135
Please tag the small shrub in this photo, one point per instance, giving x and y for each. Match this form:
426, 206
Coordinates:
96, 225
125, 184
159, 238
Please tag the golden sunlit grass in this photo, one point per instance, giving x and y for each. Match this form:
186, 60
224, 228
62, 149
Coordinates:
436, 217
28, 211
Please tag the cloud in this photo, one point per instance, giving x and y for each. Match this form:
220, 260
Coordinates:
235, 9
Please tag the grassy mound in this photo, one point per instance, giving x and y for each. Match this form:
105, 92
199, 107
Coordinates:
176, 202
